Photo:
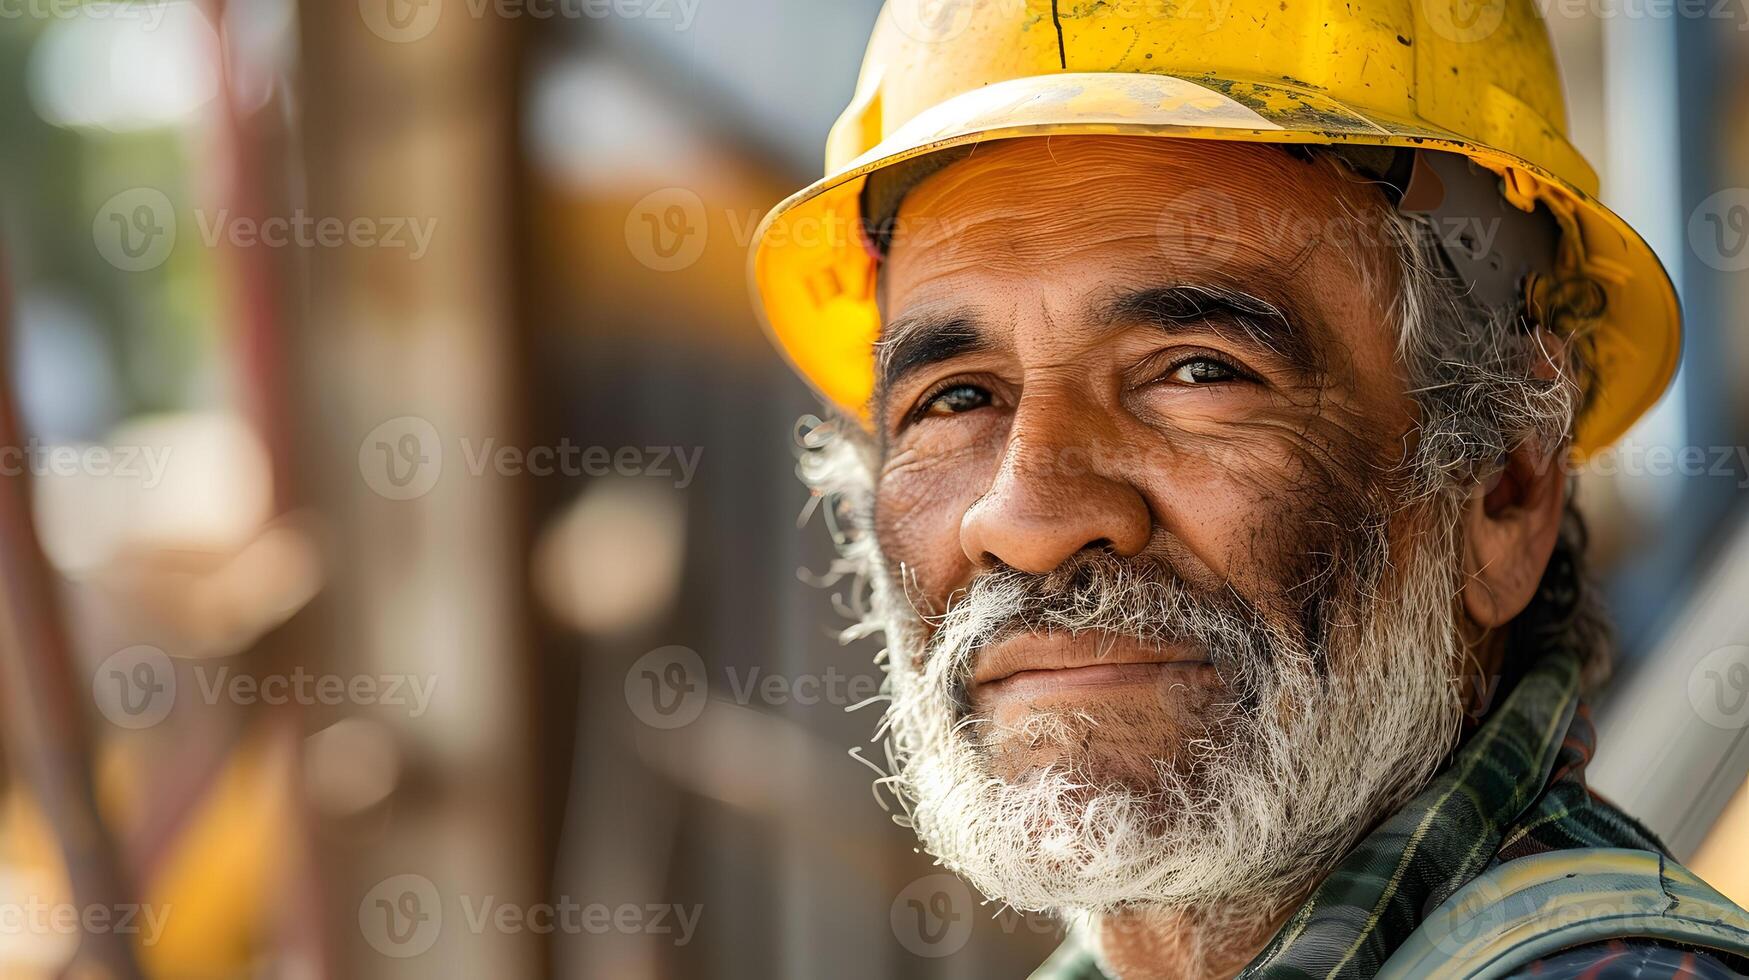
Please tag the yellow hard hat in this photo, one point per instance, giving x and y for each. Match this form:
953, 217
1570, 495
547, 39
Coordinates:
1473, 77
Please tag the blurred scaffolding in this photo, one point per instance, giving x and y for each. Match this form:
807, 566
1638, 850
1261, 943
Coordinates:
394, 436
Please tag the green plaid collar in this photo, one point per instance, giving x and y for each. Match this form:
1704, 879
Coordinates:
1515, 788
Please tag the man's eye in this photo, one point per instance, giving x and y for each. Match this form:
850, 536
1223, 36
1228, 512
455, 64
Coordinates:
1202, 371
954, 400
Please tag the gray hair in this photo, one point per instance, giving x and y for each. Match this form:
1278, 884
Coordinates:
1487, 382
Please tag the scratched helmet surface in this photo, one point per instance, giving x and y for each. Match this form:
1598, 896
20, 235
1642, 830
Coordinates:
1473, 77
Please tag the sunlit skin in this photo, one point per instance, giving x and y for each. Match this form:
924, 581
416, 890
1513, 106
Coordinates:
1062, 414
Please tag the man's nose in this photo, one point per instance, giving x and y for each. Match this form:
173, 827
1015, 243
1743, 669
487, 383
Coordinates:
1053, 497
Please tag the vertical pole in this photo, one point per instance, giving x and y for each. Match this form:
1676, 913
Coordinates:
405, 365
46, 723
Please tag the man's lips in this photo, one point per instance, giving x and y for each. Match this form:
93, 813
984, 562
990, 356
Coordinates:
1036, 664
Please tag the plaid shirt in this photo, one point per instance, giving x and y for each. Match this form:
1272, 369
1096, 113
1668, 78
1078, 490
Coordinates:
1515, 788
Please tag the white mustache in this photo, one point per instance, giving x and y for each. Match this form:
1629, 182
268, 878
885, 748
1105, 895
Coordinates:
1097, 592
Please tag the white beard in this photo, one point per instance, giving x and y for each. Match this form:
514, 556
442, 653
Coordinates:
1310, 757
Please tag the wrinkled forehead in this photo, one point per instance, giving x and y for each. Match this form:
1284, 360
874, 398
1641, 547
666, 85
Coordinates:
1071, 221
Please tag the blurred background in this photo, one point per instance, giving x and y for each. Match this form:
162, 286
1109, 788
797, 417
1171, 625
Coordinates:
404, 568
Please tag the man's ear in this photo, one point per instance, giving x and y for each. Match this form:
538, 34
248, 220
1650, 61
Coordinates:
1510, 524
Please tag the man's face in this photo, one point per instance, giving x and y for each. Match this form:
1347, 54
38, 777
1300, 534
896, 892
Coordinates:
1138, 410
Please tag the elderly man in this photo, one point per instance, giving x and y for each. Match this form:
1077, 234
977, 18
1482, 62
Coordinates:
1206, 385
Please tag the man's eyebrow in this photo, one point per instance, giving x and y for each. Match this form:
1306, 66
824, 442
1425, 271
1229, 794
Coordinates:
917, 341
1265, 325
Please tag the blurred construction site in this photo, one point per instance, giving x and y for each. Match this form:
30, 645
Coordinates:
405, 572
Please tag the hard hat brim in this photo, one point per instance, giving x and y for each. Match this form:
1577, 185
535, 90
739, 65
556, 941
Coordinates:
813, 278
